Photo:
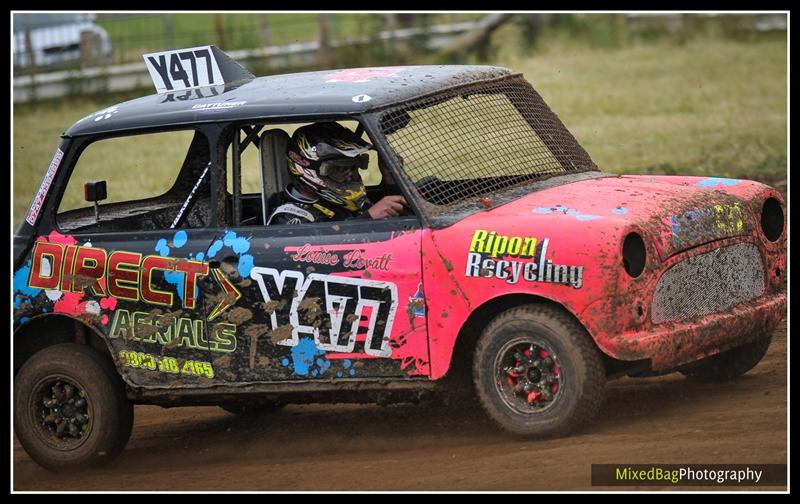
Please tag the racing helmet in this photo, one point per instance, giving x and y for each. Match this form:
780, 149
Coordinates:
325, 158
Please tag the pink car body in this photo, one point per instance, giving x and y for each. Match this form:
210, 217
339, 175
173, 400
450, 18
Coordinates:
585, 225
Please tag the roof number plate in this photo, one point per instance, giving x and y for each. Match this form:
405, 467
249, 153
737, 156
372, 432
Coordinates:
184, 69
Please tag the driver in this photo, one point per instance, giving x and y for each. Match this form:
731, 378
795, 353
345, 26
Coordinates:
324, 159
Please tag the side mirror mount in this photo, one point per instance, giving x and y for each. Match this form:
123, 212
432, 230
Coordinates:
94, 191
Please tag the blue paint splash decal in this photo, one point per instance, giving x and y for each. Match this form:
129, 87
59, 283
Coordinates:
304, 357
619, 211
162, 248
21, 286
240, 245
215, 247
716, 181
566, 211
179, 240
175, 278
245, 265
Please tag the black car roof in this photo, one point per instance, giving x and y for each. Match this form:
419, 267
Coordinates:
322, 93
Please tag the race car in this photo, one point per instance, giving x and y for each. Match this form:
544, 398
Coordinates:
517, 263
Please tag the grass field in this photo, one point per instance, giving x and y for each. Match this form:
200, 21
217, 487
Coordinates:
133, 35
710, 107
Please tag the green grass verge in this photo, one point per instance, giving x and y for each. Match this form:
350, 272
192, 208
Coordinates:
705, 108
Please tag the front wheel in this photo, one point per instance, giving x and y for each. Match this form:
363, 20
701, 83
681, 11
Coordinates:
537, 372
70, 408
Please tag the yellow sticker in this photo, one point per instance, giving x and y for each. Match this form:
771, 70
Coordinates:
326, 211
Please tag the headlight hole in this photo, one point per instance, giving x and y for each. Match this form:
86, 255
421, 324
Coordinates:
772, 219
634, 255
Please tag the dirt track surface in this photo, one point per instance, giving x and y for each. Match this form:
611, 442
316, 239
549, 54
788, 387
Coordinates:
405, 447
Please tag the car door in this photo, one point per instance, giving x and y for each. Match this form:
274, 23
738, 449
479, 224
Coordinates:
335, 300
156, 322
136, 264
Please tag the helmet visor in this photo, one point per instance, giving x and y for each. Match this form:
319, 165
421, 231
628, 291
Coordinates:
342, 170
336, 149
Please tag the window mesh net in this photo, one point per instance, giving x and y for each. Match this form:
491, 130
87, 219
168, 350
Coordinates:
478, 139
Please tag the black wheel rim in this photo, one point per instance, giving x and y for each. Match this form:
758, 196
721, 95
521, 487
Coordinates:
62, 412
528, 375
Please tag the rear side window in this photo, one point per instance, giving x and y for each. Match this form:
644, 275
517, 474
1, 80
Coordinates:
149, 180
251, 178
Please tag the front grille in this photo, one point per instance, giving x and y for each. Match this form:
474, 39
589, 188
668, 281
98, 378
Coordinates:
709, 283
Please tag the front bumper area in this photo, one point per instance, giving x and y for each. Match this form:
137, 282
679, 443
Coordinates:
670, 345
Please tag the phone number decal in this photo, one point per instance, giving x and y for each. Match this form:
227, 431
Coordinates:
166, 364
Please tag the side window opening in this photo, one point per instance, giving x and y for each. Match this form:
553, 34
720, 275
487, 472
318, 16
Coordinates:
152, 181
263, 171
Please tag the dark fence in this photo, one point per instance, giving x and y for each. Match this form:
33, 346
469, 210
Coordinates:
46, 42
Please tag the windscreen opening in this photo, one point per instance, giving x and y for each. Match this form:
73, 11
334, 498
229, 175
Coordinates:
476, 140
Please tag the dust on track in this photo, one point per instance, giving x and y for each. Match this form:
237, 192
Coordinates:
435, 447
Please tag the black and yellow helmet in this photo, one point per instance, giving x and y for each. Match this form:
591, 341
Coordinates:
325, 158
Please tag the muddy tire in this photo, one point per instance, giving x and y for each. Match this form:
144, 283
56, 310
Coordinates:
70, 408
537, 372
731, 363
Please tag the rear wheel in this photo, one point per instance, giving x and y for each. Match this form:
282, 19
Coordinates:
70, 408
537, 372
731, 363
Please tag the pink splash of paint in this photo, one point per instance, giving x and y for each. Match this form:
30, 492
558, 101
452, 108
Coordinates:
56, 237
108, 303
70, 303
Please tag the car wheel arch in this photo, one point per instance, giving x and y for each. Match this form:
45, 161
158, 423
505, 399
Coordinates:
51, 329
461, 357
